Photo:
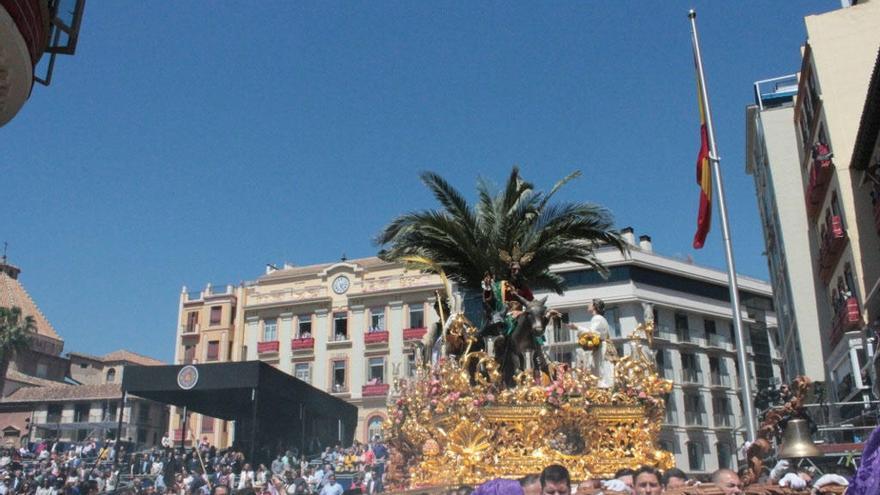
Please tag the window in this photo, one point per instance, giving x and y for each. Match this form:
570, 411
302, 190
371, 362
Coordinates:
663, 364
192, 321
213, 350
270, 330
711, 331
725, 455
695, 456
561, 333
411, 364
189, 354
42, 370
721, 411
216, 312
53, 414
339, 376
111, 411
690, 369
80, 413
303, 371
681, 327
376, 371
305, 326
671, 417
612, 316
340, 326
84, 366
144, 413
377, 320
374, 428
693, 409
207, 424
417, 316
111, 375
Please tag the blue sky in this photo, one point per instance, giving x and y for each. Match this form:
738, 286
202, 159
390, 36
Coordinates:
193, 142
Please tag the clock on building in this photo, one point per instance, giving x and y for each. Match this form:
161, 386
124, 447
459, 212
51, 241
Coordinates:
341, 284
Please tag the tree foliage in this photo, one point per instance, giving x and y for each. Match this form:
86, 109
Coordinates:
468, 240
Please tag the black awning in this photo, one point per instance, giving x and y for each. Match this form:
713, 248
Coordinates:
283, 406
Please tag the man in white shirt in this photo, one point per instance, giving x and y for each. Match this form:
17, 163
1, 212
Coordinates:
331, 487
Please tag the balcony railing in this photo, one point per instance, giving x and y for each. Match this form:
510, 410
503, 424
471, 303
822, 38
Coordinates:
376, 338
267, 347
307, 343
691, 377
821, 168
189, 329
414, 333
719, 379
848, 317
694, 418
375, 390
683, 334
716, 340
833, 242
723, 420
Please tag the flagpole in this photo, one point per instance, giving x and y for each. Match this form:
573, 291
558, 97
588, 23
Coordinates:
745, 376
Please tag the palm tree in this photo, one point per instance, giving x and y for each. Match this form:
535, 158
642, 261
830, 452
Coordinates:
15, 336
516, 223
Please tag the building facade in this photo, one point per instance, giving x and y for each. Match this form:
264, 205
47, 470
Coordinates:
836, 227
348, 328
772, 159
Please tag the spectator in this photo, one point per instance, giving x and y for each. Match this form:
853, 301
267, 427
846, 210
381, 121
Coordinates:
331, 487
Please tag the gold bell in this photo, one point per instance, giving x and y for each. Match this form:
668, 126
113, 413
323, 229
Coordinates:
796, 441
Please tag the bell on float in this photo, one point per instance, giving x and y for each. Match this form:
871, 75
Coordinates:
796, 441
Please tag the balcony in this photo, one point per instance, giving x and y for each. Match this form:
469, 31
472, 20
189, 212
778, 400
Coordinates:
376, 338
717, 341
820, 177
719, 380
414, 333
723, 420
683, 335
694, 418
268, 347
375, 390
833, 241
691, 377
848, 318
304, 344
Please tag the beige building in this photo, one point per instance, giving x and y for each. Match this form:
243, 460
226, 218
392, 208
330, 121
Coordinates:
838, 59
347, 328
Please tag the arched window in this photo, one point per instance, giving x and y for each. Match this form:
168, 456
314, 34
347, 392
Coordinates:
374, 428
111, 375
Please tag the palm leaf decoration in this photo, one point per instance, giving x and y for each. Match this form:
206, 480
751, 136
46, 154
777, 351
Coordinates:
517, 223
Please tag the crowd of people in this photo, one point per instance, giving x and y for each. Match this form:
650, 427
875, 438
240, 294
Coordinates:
89, 468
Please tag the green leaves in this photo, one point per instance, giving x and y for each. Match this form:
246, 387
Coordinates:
467, 241
15, 332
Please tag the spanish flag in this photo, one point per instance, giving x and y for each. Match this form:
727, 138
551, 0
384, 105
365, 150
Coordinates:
704, 173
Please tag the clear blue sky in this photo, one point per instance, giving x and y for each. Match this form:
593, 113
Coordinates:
193, 142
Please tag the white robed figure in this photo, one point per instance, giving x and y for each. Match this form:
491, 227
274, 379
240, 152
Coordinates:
599, 360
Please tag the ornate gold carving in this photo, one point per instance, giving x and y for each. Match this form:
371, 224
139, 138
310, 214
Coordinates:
447, 428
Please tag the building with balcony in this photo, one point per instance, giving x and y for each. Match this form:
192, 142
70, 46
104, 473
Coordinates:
835, 225
772, 159
348, 328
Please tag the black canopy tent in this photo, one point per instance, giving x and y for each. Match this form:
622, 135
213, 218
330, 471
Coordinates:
271, 409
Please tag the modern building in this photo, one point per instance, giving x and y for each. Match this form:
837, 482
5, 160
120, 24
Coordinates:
772, 158
836, 227
347, 328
